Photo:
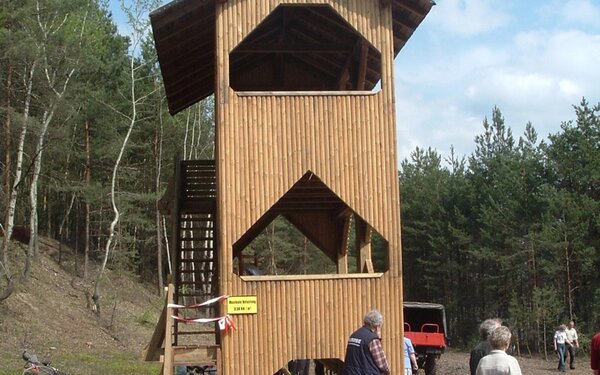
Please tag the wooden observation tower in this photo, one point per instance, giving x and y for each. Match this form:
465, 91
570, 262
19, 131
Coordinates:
305, 130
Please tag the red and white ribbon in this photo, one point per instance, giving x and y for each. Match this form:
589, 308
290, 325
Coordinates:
205, 303
225, 322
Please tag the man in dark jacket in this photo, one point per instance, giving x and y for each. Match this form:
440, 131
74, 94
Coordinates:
364, 353
483, 348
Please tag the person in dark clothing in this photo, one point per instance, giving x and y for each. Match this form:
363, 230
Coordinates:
364, 353
595, 354
483, 348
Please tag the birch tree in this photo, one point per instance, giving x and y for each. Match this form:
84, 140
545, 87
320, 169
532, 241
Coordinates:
29, 63
137, 16
58, 71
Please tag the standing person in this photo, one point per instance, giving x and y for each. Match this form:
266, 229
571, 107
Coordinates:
483, 348
595, 354
364, 352
560, 343
410, 359
572, 337
498, 362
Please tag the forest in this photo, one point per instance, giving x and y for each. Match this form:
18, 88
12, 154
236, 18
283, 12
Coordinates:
88, 147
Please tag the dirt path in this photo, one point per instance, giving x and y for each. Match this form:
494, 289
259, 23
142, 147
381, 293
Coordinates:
457, 363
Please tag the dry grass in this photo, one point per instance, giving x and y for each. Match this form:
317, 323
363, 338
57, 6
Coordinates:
49, 315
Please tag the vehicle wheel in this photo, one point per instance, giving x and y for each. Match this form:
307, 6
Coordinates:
430, 365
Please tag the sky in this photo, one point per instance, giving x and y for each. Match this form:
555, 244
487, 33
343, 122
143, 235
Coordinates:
533, 59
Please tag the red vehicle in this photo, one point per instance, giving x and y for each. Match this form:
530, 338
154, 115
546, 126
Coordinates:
425, 326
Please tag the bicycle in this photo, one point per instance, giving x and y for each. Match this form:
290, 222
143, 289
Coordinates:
35, 366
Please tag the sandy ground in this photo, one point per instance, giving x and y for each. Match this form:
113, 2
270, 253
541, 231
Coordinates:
454, 362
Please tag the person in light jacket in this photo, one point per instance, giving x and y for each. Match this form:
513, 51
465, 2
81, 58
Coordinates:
498, 362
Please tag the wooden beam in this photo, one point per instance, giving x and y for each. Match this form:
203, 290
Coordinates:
325, 276
411, 7
321, 229
363, 245
342, 261
362, 68
291, 48
168, 357
253, 232
345, 72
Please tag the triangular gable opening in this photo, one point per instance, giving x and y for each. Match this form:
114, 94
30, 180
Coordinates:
310, 230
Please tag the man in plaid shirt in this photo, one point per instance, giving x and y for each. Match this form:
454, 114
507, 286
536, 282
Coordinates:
364, 353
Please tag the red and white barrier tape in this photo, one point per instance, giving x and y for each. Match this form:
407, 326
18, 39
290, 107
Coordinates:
225, 322
205, 303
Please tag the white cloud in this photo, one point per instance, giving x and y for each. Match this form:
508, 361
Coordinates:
469, 17
581, 11
535, 73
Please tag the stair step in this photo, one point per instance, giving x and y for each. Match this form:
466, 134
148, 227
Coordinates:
204, 238
198, 272
195, 271
206, 282
191, 333
198, 216
194, 357
198, 260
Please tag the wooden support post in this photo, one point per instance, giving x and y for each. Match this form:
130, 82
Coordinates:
168, 356
363, 246
362, 69
342, 260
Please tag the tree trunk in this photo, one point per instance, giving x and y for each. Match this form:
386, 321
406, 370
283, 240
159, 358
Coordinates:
62, 225
33, 248
568, 273
115, 221
6, 155
158, 165
86, 184
271, 242
12, 202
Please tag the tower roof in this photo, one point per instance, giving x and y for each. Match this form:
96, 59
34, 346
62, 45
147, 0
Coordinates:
184, 34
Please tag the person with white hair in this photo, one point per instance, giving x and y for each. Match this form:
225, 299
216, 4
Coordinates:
498, 362
364, 352
483, 348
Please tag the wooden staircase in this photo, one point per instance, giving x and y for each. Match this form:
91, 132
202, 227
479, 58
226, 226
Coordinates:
191, 202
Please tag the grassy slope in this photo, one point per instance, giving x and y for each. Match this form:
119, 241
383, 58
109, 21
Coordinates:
49, 315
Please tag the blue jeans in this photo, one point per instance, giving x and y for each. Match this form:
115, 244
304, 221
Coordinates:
562, 357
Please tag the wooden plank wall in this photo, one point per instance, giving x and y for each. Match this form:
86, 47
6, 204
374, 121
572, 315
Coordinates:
264, 145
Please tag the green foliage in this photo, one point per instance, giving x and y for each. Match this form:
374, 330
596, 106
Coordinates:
513, 234
147, 319
282, 250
